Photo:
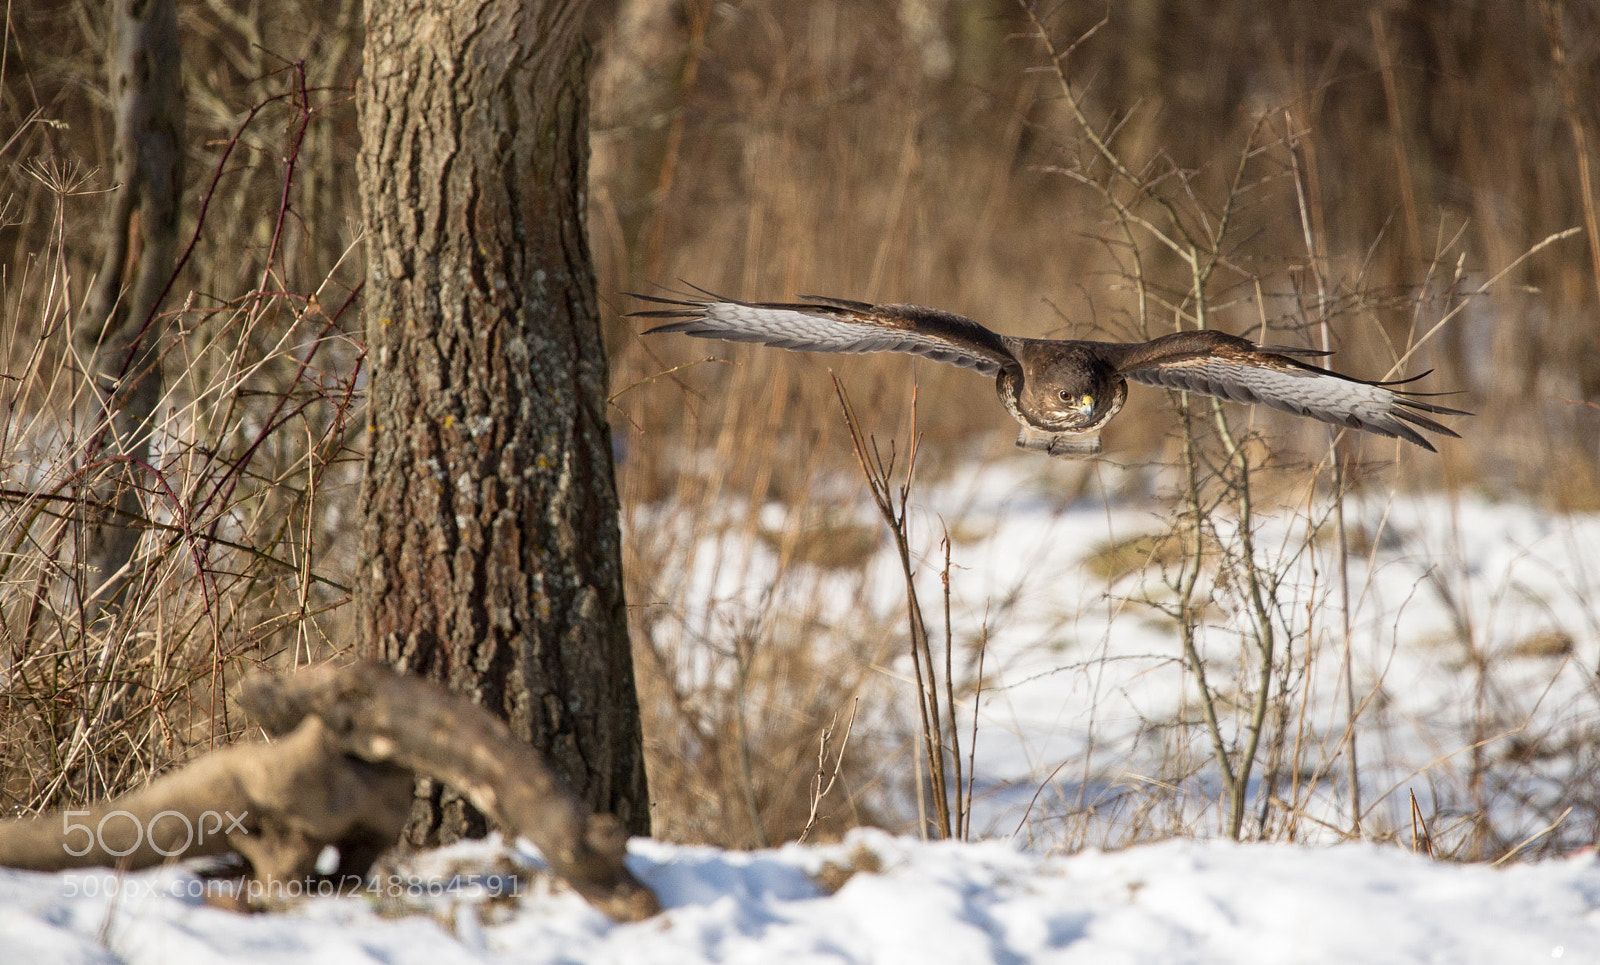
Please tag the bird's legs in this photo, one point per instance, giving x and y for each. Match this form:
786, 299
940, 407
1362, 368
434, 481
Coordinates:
1067, 445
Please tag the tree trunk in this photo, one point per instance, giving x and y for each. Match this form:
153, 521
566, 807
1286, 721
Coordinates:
490, 547
120, 332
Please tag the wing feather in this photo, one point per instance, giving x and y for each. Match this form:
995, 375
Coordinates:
1305, 390
837, 325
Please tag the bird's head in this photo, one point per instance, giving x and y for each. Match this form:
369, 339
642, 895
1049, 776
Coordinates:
1076, 393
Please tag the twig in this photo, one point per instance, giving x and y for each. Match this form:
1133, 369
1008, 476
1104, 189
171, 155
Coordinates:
1532, 838
1421, 839
819, 789
892, 506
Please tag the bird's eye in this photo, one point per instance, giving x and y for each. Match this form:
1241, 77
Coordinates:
1064, 396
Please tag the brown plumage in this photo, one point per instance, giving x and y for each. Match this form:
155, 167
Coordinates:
1062, 391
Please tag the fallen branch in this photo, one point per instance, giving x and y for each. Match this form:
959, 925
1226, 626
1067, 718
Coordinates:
351, 740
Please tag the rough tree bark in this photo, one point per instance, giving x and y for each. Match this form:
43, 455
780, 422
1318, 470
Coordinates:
490, 546
119, 333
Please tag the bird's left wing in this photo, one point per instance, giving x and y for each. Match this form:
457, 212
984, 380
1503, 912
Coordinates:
1233, 368
836, 325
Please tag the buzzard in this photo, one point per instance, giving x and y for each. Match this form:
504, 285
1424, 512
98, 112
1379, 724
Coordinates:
1063, 391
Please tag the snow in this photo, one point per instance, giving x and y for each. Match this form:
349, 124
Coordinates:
1082, 679
907, 901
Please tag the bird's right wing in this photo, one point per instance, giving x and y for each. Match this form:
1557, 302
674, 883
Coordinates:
836, 325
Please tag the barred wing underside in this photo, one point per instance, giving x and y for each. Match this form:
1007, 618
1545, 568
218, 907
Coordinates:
836, 325
1304, 390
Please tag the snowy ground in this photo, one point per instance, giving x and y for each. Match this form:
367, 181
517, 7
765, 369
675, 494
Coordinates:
1469, 621
906, 901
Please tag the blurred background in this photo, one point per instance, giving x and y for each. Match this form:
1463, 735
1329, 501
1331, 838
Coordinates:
1356, 172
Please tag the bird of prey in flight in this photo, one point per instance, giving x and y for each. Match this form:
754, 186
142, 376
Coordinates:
1063, 391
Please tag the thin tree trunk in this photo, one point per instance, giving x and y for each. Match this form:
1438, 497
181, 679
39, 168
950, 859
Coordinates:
490, 544
120, 333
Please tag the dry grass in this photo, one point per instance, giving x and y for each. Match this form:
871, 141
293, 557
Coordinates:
242, 560
1117, 559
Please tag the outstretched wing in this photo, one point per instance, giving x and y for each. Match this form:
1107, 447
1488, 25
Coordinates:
1233, 368
836, 325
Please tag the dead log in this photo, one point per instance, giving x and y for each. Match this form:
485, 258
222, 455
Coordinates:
277, 805
341, 772
383, 715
